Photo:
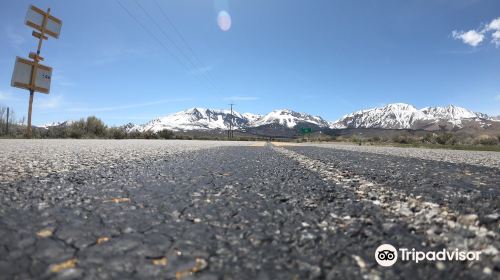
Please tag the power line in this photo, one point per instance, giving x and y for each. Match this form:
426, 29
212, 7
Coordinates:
179, 49
183, 39
151, 34
230, 132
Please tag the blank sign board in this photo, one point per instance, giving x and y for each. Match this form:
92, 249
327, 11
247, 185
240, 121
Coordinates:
21, 77
34, 18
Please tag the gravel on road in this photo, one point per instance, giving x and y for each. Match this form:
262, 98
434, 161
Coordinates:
38, 158
236, 210
480, 158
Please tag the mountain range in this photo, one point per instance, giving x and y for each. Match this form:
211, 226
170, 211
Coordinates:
392, 116
405, 116
209, 119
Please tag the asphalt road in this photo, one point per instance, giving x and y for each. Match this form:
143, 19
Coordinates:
241, 210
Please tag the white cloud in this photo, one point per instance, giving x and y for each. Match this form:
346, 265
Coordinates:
496, 38
471, 37
49, 102
497, 98
494, 24
475, 37
7, 96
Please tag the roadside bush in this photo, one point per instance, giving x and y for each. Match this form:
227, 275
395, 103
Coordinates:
429, 138
77, 129
445, 138
186, 137
402, 139
117, 133
94, 127
165, 134
55, 132
90, 128
487, 140
149, 135
355, 139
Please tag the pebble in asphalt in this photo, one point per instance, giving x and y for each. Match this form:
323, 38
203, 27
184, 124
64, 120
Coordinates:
207, 210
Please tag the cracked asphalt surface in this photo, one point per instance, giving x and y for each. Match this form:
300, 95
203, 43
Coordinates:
234, 210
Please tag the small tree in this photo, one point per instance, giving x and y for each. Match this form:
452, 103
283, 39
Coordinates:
77, 129
95, 127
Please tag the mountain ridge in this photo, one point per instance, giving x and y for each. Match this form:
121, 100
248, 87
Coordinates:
207, 119
406, 116
391, 116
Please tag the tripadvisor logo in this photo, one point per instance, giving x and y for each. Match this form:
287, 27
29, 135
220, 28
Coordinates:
387, 255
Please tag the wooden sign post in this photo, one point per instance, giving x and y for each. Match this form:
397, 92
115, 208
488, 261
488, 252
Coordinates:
31, 75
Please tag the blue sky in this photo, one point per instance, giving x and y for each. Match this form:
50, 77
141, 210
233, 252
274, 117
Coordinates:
324, 57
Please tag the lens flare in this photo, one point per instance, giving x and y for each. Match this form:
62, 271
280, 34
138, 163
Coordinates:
224, 21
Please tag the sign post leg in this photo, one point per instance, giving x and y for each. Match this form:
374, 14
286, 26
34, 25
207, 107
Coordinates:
30, 109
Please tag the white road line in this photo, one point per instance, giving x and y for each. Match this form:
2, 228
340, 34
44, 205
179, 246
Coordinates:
438, 223
477, 158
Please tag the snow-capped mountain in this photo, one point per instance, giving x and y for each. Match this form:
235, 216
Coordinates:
209, 119
197, 119
251, 117
392, 116
289, 119
56, 124
405, 116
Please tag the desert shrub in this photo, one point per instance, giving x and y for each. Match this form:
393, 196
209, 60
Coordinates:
402, 139
487, 140
148, 135
77, 129
94, 127
355, 138
445, 138
469, 140
429, 138
55, 132
165, 134
116, 133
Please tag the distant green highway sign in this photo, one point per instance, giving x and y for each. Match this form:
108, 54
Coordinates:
305, 130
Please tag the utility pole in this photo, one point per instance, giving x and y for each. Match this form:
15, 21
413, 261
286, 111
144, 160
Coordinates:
7, 124
230, 132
